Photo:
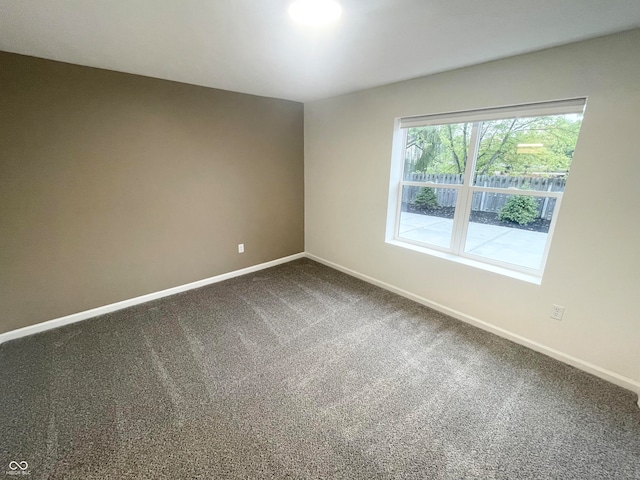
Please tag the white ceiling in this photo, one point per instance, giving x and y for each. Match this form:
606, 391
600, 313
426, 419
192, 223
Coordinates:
251, 46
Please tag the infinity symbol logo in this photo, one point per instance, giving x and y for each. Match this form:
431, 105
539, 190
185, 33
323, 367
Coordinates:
13, 465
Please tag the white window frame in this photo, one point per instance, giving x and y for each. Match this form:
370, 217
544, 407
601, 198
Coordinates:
466, 190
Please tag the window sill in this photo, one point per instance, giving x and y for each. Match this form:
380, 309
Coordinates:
525, 277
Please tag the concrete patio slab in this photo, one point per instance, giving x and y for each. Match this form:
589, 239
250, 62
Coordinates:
511, 245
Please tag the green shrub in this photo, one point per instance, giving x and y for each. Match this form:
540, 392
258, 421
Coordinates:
520, 209
426, 198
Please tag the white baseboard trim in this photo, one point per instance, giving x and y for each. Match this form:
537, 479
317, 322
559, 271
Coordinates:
94, 312
603, 373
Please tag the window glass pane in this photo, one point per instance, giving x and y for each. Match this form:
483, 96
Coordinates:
509, 228
437, 153
527, 153
427, 215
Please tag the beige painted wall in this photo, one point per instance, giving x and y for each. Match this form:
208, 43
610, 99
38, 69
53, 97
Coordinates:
594, 265
113, 186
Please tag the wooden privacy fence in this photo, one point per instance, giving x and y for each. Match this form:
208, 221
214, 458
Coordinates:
486, 201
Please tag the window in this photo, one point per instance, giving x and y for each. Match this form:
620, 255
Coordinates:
483, 185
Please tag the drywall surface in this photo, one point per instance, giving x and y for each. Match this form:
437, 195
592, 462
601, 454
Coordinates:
593, 266
113, 186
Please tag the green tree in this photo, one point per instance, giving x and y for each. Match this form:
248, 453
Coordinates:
426, 198
519, 146
426, 141
521, 209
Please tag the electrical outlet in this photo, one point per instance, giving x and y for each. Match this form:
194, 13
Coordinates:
557, 312
241, 248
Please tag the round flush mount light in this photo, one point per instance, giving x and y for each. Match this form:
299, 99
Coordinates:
315, 12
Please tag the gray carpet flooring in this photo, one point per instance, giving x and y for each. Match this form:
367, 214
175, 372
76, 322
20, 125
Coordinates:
300, 371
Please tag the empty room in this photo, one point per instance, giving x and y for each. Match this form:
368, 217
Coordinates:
319, 239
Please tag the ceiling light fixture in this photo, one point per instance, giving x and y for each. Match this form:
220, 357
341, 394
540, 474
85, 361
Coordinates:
315, 12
